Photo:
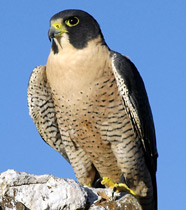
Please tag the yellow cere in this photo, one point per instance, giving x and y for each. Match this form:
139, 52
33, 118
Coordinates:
57, 25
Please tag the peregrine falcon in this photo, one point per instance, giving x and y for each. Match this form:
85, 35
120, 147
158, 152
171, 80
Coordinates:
90, 104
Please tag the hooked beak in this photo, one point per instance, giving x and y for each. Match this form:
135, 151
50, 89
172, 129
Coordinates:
56, 30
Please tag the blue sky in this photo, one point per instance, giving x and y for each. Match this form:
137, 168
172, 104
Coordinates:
151, 33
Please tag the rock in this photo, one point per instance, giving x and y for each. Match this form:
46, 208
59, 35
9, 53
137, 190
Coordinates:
23, 191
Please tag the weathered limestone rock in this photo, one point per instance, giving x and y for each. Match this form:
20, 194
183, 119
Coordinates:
23, 191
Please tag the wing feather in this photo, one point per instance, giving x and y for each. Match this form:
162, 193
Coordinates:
132, 90
42, 110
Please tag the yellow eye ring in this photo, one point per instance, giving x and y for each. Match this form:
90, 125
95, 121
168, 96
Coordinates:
72, 21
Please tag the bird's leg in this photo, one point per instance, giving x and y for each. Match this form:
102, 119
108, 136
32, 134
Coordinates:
117, 187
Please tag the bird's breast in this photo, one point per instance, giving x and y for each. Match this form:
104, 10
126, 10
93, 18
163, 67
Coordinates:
94, 118
71, 70
92, 112
91, 118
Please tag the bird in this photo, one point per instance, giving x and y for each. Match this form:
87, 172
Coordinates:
90, 104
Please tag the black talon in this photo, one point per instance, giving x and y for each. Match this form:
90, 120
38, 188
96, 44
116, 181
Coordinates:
122, 179
97, 183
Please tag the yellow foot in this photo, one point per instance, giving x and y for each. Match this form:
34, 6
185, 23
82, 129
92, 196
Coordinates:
117, 187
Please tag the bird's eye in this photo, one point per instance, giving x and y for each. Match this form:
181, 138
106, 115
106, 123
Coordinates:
72, 21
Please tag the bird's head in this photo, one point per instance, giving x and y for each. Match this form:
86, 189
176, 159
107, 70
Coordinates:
74, 27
